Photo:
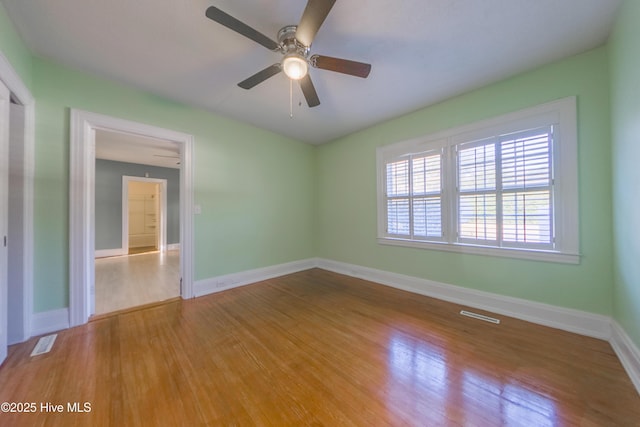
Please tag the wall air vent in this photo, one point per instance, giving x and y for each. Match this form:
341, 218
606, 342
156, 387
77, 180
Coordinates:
44, 345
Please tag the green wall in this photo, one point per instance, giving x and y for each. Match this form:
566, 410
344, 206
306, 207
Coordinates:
347, 192
256, 188
625, 113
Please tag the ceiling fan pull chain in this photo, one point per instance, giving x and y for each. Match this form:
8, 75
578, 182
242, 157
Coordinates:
291, 98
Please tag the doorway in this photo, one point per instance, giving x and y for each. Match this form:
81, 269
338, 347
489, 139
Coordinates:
134, 265
144, 215
132, 173
84, 126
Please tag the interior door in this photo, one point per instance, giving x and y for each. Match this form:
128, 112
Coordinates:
4, 214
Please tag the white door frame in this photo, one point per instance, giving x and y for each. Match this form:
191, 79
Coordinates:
82, 204
162, 235
22, 330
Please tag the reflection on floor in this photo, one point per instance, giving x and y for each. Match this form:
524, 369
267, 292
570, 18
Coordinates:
142, 249
130, 281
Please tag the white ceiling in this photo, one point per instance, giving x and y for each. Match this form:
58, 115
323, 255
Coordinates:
123, 147
421, 51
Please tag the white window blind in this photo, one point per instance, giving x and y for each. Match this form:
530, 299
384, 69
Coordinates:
526, 170
477, 192
504, 189
398, 218
413, 196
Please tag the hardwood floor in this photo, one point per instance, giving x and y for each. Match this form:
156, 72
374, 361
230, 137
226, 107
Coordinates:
129, 281
318, 348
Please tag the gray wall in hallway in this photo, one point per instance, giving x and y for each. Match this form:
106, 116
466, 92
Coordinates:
109, 200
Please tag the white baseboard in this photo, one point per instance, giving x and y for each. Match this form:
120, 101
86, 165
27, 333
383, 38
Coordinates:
173, 246
234, 280
627, 352
49, 321
580, 322
103, 253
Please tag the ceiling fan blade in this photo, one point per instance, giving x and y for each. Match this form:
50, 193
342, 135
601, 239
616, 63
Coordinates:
232, 23
309, 91
345, 66
312, 18
260, 76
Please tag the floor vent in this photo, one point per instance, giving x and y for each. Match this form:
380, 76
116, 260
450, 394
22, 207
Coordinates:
480, 317
44, 345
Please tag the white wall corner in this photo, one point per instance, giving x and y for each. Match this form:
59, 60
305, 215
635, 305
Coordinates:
49, 321
234, 280
627, 351
580, 322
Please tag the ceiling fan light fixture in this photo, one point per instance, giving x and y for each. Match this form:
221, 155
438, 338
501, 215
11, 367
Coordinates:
295, 66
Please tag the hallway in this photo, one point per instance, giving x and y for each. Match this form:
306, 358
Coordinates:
129, 281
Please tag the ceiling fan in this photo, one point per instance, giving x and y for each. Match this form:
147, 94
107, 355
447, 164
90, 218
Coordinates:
294, 43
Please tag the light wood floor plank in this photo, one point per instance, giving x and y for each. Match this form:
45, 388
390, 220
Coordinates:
129, 281
318, 348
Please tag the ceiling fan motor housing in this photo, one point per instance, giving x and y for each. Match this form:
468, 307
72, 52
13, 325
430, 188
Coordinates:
288, 42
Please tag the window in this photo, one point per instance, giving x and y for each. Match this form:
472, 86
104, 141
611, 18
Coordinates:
414, 196
505, 186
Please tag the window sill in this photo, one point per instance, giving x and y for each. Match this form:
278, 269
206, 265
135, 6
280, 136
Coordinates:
528, 254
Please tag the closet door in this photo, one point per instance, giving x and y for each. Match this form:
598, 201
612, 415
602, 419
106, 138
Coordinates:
4, 214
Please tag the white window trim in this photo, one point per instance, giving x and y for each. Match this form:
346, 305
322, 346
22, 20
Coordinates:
562, 114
